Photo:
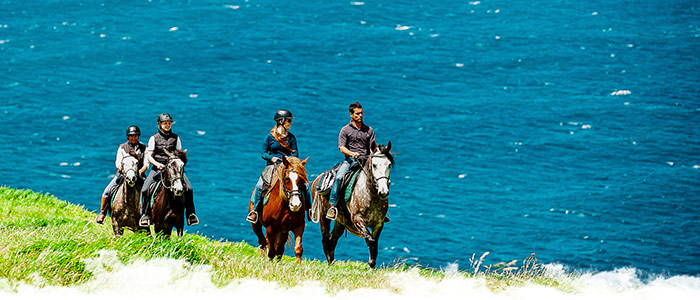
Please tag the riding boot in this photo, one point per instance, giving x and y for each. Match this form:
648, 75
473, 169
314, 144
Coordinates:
307, 197
253, 214
189, 209
104, 205
145, 220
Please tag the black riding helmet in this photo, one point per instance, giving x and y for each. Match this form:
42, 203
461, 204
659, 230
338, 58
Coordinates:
133, 130
164, 118
283, 114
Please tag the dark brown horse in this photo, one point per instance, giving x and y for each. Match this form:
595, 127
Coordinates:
168, 205
366, 209
125, 204
284, 211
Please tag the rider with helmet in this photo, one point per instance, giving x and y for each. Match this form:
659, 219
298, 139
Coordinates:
158, 145
355, 139
131, 147
278, 143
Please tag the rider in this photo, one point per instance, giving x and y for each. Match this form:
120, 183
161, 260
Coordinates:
278, 143
355, 139
158, 144
131, 146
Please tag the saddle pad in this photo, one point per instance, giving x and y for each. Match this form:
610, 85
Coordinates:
351, 184
326, 182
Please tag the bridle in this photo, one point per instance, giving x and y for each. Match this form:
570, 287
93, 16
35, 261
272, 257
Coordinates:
290, 193
178, 175
374, 180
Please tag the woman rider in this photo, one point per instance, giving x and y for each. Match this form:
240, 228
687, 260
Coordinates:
164, 140
278, 143
132, 145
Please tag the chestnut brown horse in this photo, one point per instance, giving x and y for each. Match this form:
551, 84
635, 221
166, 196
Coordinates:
365, 212
168, 208
284, 211
125, 204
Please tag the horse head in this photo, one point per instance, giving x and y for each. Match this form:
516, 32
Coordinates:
130, 167
174, 169
380, 162
293, 177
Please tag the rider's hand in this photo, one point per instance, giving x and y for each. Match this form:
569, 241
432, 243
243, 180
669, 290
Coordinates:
355, 155
160, 166
275, 159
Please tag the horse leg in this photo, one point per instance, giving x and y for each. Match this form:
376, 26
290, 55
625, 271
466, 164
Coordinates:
281, 240
272, 238
360, 225
330, 241
298, 249
179, 233
372, 245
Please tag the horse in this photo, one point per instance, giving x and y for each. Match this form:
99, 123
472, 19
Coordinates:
125, 204
366, 209
168, 208
284, 211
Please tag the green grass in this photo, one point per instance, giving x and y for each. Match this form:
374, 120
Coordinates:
46, 241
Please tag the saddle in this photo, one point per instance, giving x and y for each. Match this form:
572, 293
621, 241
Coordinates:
328, 177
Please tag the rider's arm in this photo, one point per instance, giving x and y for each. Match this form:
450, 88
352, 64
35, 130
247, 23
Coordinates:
347, 152
342, 141
372, 140
178, 145
265, 154
149, 153
293, 145
118, 160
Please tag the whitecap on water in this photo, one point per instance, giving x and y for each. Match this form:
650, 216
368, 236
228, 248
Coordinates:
201, 132
402, 27
621, 93
175, 28
232, 6
357, 3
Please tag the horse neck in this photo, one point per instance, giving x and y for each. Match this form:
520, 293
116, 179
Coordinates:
364, 185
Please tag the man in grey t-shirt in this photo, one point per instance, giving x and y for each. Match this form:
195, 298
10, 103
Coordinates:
355, 139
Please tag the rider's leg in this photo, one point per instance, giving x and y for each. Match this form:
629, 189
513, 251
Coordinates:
145, 219
104, 204
189, 203
333, 200
253, 214
307, 198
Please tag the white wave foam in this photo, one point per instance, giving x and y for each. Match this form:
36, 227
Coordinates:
621, 93
176, 279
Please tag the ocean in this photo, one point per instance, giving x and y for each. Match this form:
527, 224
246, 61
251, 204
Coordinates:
568, 129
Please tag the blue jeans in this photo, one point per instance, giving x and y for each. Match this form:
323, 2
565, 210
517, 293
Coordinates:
112, 183
258, 193
344, 167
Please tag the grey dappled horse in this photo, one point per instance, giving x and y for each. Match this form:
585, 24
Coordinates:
366, 208
125, 206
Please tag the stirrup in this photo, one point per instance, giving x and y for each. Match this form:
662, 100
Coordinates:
145, 221
332, 213
252, 217
191, 221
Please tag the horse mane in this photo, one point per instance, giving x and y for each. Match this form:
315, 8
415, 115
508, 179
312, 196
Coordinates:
384, 150
295, 165
181, 155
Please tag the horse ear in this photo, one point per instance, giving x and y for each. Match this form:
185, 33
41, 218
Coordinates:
374, 147
303, 162
184, 151
284, 160
388, 146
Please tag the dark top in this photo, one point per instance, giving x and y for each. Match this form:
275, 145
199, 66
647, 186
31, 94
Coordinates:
357, 140
271, 148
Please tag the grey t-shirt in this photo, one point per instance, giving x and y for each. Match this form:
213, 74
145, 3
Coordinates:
357, 140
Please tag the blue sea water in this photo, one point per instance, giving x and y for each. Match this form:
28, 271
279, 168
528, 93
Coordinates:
568, 129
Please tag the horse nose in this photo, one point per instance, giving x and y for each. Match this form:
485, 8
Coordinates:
295, 203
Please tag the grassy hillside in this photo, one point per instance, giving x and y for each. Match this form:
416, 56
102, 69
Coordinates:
45, 241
